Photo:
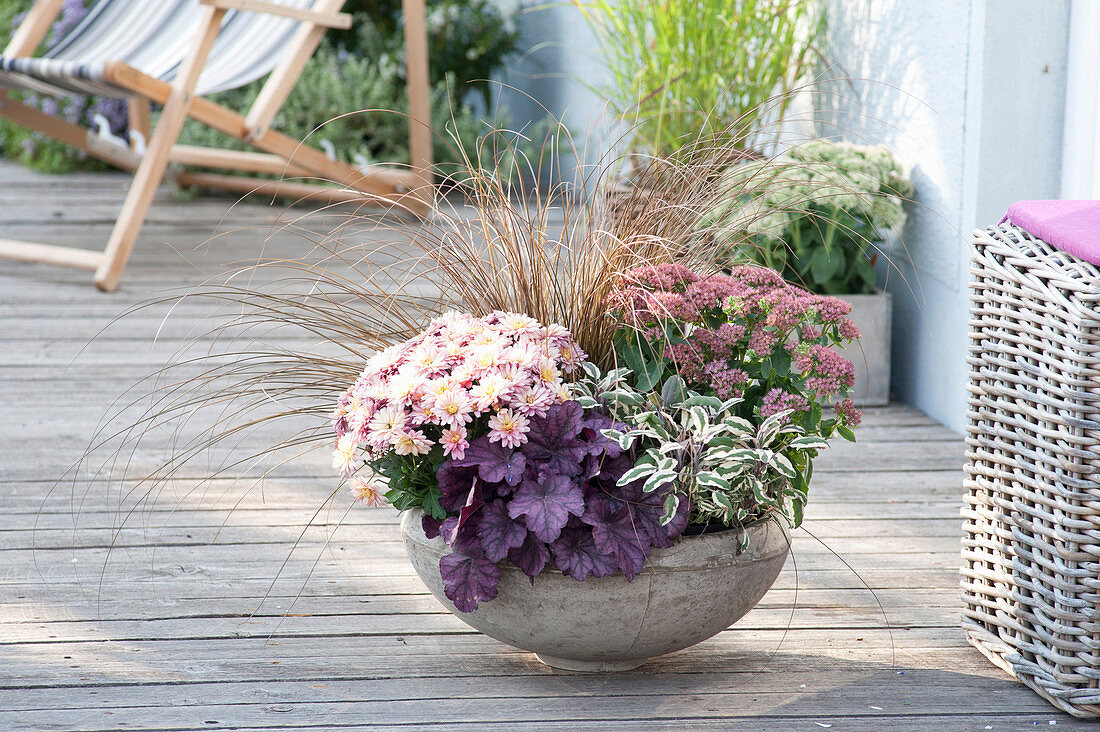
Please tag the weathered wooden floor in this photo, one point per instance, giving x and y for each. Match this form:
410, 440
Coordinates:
202, 614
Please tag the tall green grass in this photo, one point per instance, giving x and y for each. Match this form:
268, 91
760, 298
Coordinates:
684, 69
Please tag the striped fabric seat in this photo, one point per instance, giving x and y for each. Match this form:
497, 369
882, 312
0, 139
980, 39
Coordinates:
152, 36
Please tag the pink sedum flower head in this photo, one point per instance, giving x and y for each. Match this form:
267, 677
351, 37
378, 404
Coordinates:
847, 411
461, 378
747, 321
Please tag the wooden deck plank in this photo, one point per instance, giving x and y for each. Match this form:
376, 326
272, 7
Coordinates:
196, 609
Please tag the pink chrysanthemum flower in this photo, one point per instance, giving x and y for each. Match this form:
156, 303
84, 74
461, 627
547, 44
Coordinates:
428, 359
548, 372
508, 428
454, 408
454, 443
386, 360
561, 392
571, 357
461, 368
368, 493
436, 388
405, 387
489, 390
489, 339
485, 359
524, 354
412, 442
386, 424
463, 374
533, 401
421, 412
376, 390
557, 334
513, 374
516, 325
345, 458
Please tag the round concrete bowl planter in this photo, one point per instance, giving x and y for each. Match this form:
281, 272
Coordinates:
684, 594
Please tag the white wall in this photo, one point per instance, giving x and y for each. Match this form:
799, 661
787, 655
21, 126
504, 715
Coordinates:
970, 94
557, 72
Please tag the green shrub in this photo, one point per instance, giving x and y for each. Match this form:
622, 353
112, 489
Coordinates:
343, 99
34, 149
686, 69
469, 41
816, 213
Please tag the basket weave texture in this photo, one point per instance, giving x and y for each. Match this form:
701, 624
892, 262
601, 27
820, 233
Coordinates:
1031, 544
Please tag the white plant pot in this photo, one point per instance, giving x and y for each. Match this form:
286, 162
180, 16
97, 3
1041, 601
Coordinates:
684, 594
871, 353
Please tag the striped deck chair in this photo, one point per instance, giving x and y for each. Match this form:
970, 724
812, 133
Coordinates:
175, 53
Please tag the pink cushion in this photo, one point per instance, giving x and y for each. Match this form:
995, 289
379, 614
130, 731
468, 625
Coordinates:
1072, 226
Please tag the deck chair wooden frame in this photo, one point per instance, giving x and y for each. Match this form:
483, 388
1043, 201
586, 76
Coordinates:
276, 154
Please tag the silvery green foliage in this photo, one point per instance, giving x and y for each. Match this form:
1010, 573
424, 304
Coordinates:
733, 471
816, 214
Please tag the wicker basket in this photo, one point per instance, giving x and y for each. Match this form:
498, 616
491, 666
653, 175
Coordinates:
1031, 545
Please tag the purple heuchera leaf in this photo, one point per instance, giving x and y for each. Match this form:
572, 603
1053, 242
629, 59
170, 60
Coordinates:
553, 439
455, 482
468, 579
606, 470
495, 463
430, 526
498, 531
614, 533
448, 529
593, 425
473, 503
576, 554
461, 539
555, 498
646, 510
547, 504
531, 556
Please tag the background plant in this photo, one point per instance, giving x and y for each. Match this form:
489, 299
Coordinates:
34, 149
469, 41
359, 74
681, 69
824, 208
